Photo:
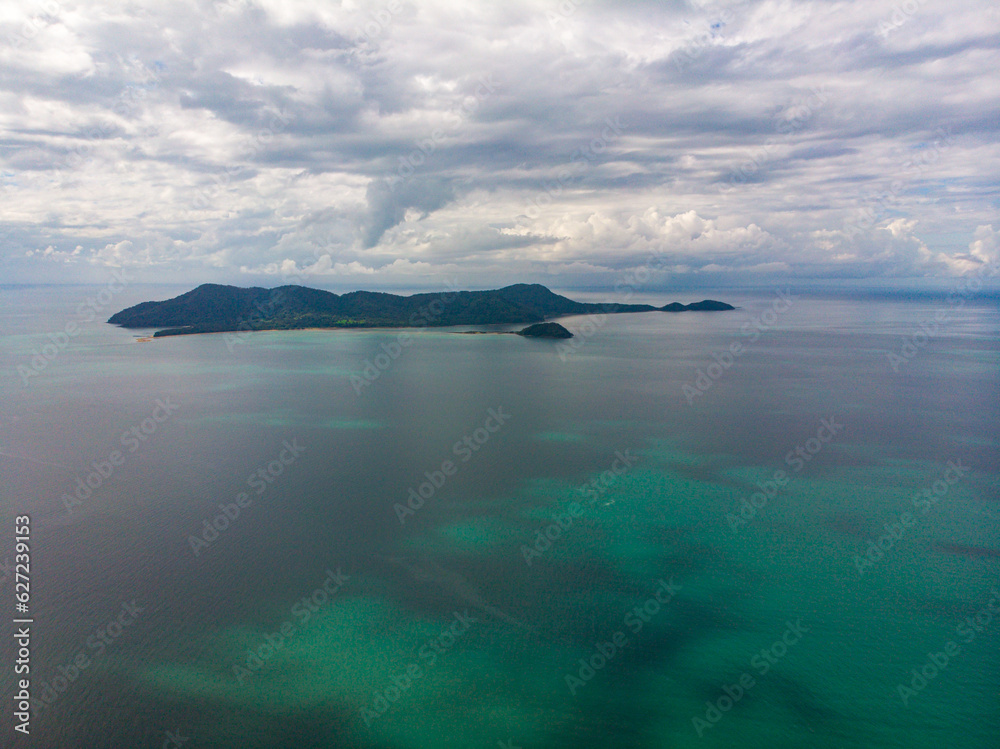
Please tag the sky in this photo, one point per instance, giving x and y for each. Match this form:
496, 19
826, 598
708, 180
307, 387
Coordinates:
396, 144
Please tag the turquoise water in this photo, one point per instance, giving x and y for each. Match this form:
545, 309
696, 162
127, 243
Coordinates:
773, 628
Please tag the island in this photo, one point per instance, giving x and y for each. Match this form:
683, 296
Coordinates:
545, 330
214, 308
705, 305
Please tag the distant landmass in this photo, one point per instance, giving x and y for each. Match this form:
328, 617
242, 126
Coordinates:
545, 330
213, 308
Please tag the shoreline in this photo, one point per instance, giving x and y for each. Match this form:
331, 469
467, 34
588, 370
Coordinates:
145, 338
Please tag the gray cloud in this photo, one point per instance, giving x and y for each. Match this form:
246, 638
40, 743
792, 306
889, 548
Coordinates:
400, 143
388, 203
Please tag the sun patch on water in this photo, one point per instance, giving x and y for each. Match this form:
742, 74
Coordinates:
477, 534
559, 437
352, 424
342, 653
548, 495
357, 649
668, 453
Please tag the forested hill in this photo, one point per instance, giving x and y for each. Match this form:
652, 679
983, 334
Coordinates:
215, 308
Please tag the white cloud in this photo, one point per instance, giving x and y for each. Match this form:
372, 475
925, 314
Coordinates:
142, 133
983, 255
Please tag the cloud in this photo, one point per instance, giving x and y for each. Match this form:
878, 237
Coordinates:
388, 202
206, 140
983, 255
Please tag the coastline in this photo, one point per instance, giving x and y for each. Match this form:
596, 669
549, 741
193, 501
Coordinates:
149, 338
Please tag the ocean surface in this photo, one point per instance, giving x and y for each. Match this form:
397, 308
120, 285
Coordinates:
642, 540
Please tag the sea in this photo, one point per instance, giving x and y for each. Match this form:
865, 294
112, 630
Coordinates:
775, 527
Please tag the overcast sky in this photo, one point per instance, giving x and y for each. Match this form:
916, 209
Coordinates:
402, 144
